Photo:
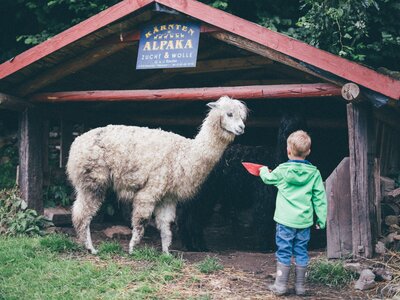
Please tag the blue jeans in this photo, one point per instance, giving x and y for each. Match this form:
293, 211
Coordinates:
292, 242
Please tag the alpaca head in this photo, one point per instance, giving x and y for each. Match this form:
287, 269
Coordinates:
230, 113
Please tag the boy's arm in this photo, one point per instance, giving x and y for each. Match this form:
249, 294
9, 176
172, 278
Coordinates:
320, 202
269, 177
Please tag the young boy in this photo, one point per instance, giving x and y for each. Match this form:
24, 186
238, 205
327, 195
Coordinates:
300, 193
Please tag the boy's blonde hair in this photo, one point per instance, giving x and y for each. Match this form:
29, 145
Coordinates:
299, 143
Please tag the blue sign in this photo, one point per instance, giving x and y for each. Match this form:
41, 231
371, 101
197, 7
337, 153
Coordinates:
168, 45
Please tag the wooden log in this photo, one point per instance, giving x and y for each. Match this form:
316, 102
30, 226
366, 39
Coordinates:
13, 103
31, 159
351, 92
393, 196
360, 179
193, 94
387, 185
339, 219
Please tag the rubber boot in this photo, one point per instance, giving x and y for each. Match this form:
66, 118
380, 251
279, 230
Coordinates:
281, 280
300, 280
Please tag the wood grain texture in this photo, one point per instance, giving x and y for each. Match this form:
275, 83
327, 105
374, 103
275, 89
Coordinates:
192, 94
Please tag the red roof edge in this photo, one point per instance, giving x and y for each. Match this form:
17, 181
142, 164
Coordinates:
319, 58
71, 35
339, 66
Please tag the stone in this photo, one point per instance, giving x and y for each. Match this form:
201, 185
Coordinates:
354, 267
390, 220
380, 248
117, 231
382, 274
366, 280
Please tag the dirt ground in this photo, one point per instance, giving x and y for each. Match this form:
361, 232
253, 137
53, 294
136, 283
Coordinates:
246, 275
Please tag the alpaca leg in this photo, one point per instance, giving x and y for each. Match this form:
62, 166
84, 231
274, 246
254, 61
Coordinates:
143, 208
165, 215
84, 209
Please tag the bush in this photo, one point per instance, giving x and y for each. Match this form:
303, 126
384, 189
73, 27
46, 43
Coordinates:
57, 195
16, 218
332, 274
8, 165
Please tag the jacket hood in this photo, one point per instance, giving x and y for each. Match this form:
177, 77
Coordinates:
299, 173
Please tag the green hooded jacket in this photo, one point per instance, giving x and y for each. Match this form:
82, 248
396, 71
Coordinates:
300, 193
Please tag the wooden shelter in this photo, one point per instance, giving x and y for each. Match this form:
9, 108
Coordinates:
87, 74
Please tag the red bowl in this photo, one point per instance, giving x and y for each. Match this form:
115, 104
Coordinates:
253, 169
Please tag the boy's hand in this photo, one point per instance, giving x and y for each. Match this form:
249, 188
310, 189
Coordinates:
317, 227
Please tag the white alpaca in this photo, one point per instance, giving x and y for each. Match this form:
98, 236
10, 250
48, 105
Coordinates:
152, 168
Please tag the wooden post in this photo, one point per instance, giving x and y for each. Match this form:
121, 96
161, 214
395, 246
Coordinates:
66, 140
361, 162
31, 158
339, 223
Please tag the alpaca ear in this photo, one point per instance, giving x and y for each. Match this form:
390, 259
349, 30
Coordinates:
212, 104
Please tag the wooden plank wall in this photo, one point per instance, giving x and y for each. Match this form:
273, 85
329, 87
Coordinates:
339, 223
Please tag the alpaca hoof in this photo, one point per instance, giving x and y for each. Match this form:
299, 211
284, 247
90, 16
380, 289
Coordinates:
93, 251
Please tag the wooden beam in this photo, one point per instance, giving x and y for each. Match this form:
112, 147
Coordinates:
13, 103
264, 51
31, 158
193, 94
73, 65
226, 64
361, 162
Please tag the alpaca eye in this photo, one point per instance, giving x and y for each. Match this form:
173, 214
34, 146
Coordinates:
229, 115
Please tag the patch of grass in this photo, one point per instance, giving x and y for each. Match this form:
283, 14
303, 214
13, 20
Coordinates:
201, 297
59, 243
330, 273
108, 249
145, 253
209, 265
32, 268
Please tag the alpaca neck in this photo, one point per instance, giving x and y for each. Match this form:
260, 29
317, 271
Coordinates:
203, 153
